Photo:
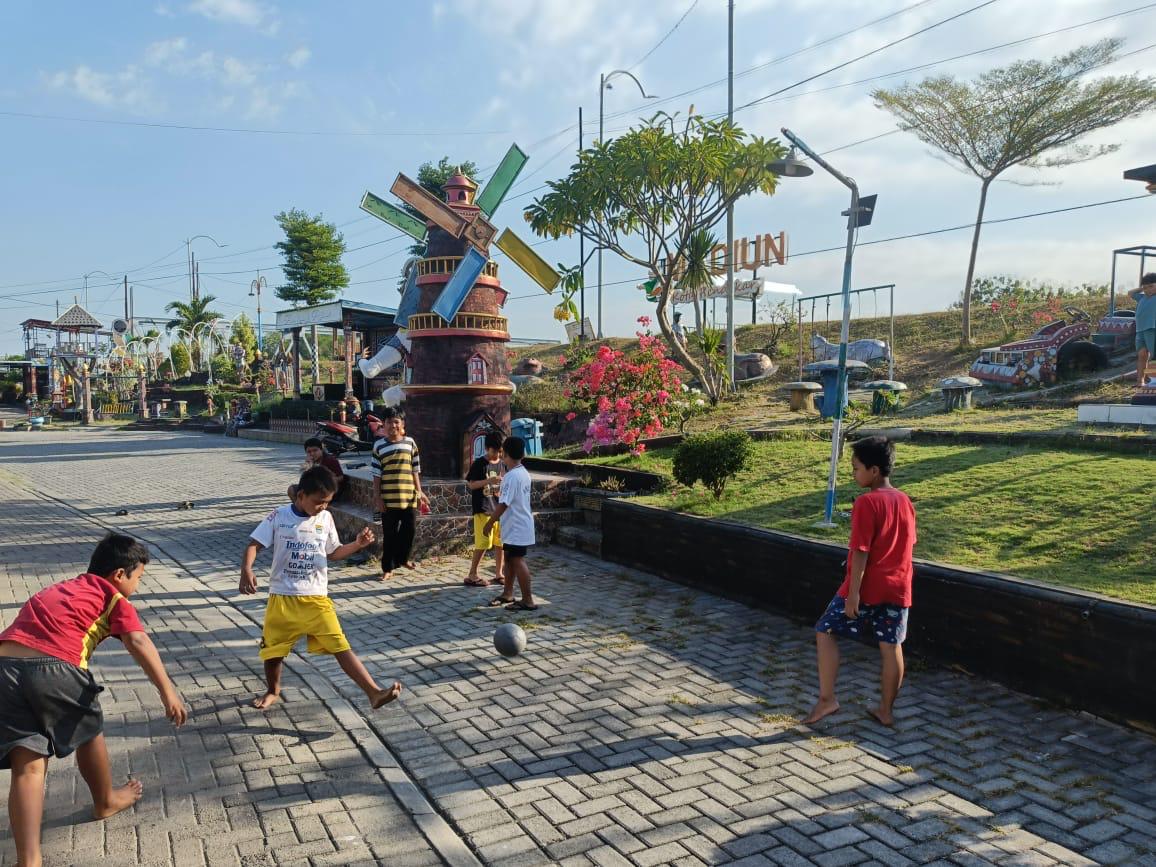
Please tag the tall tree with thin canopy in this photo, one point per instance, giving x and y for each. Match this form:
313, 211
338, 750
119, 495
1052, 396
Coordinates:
646, 194
314, 273
1031, 113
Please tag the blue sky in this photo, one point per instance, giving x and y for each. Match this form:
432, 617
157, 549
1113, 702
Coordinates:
329, 100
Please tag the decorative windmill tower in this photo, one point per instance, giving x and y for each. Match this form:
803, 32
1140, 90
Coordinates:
457, 385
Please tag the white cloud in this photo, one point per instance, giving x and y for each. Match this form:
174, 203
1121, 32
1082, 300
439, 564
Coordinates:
299, 57
230, 83
162, 52
245, 12
126, 88
237, 72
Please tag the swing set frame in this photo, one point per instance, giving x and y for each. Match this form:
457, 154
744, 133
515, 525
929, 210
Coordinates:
890, 287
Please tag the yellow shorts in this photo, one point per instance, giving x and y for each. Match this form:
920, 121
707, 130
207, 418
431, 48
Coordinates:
482, 542
291, 618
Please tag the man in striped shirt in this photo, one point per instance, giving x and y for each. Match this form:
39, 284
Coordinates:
397, 487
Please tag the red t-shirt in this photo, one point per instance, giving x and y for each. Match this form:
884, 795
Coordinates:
68, 620
883, 525
333, 465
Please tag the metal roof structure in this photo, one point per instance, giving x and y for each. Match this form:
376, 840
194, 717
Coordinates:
76, 318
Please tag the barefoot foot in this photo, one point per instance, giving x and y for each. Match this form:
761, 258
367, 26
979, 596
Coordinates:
410, 564
384, 696
121, 798
265, 701
822, 708
386, 576
884, 718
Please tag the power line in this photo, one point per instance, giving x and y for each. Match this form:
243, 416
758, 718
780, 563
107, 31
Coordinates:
669, 33
775, 61
250, 130
923, 234
867, 54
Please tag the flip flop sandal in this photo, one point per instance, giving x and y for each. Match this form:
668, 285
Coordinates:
519, 605
498, 602
476, 582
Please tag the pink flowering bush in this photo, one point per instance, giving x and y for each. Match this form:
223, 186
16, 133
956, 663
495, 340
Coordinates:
632, 395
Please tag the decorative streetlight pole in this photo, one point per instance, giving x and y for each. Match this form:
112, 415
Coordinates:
856, 216
255, 289
603, 86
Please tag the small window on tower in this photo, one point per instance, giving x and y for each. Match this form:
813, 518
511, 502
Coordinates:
477, 370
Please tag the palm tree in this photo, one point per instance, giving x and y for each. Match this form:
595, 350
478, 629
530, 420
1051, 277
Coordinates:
190, 314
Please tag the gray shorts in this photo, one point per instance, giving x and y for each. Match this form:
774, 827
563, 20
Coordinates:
47, 706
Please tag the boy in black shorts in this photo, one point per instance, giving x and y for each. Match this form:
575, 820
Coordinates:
48, 697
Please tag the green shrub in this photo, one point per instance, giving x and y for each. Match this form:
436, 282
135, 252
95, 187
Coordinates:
224, 370
712, 458
539, 398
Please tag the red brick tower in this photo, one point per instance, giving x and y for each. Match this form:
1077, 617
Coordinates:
459, 388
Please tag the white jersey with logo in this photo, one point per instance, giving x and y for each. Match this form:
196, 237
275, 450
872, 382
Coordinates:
301, 546
517, 522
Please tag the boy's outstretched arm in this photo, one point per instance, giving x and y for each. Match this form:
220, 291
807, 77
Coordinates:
498, 512
364, 539
142, 649
248, 579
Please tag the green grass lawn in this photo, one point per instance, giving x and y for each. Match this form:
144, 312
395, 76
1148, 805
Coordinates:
1076, 518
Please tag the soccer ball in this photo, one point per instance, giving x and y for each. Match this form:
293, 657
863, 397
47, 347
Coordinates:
509, 639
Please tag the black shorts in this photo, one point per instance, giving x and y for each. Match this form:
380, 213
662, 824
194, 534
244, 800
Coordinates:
515, 550
47, 706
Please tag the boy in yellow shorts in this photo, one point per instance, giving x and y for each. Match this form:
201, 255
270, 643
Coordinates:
304, 538
484, 479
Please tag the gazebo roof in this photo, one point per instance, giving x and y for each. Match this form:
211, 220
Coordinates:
76, 317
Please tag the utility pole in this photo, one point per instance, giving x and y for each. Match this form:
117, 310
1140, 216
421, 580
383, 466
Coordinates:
731, 207
601, 100
126, 319
582, 251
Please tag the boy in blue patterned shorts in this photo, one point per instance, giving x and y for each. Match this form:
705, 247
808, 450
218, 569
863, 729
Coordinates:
872, 603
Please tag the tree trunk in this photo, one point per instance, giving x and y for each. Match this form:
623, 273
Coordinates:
678, 351
965, 335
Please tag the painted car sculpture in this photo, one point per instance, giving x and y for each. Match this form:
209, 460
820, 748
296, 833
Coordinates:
1058, 350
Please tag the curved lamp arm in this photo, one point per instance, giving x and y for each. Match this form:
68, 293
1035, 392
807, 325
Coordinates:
610, 75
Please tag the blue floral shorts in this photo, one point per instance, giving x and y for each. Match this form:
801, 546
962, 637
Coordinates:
876, 624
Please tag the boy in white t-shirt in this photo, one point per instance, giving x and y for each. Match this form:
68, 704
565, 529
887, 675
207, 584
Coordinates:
304, 539
517, 522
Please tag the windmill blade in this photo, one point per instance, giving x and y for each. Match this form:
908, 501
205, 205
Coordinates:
500, 182
523, 255
393, 215
454, 294
429, 205
410, 296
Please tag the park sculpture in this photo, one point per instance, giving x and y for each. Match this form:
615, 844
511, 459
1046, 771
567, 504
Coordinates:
451, 339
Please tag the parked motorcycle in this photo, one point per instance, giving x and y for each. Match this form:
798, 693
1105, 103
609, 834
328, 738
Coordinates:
338, 438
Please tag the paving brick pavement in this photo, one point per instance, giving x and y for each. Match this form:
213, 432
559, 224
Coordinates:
646, 723
233, 786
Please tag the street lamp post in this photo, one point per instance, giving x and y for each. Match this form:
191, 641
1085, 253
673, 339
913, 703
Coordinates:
193, 290
791, 167
86, 276
255, 289
604, 85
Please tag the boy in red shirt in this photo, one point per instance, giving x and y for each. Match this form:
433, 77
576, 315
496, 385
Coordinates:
872, 603
48, 698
